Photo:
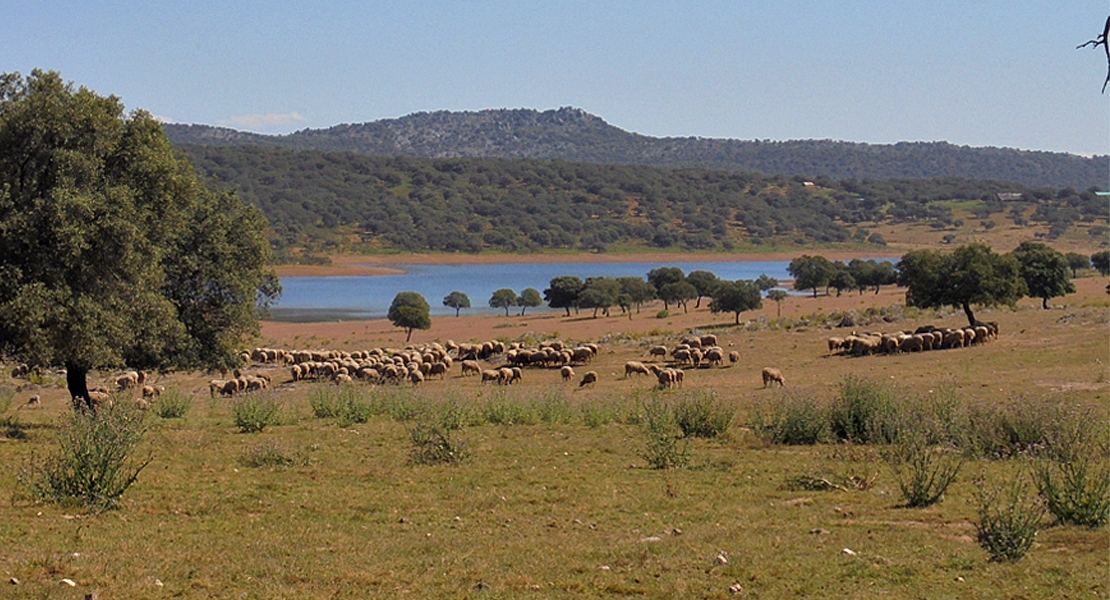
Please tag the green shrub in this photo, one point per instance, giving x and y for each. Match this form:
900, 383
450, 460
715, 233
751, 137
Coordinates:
1009, 429
663, 314
554, 408
792, 419
702, 414
923, 471
1074, 477
324, 402
7, 396
862, 413
399, 403
665, 448
94, 464
173, 404
254, 412
433, 445
598, 413
503, 410
1009, 518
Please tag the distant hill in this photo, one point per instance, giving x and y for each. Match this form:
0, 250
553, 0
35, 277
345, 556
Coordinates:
571, 134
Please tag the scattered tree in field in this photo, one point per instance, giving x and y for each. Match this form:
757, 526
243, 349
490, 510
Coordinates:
704, 282
1101, 261
112, 252
637, 291
679, 293
456, 300
971, 275
530, 297
564, 292
663, 275
736, 297
765, 282
1077, 262
869, 274
409, 311
503, 298
777, 295
1044, 270
600, 293
841, 278
811, 272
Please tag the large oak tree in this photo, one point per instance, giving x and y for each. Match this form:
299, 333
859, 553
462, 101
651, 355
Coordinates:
112, 251
971, 275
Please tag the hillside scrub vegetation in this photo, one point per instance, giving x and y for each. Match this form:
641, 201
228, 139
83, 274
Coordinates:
327, 202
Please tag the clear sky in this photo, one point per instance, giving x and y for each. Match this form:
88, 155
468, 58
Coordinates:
981, 73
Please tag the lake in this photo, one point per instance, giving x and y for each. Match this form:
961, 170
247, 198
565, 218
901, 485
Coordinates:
369, 297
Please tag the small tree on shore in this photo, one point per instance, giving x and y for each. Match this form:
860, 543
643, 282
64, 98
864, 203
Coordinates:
530, 297
503, 298
410, 311
777, 296
1044, 270
456, 300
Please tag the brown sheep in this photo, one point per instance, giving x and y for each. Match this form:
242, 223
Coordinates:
471, 367
634, 366
588, 379
658, 351
708, 340
567, 372
772, 375
733, 357
489, 375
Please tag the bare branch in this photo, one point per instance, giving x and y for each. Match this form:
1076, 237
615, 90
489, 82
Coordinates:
1101, 41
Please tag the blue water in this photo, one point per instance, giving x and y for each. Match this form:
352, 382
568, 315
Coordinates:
369, 297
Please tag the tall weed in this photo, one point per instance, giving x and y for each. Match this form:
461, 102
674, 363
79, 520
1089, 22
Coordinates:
924, 471
255, 412
666, 447
173, 404
702, 414
792, 419
1074, 476
1009, 518
863, 412
94, 464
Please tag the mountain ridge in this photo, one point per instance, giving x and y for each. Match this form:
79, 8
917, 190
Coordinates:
574, 135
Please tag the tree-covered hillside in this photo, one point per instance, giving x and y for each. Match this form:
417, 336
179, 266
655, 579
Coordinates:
574, 135
471, 205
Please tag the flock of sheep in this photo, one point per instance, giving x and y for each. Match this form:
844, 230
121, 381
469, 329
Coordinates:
919, 340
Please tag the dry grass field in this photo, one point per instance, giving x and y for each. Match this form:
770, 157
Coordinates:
556, 497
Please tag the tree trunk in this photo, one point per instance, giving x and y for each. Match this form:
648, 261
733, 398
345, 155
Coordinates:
1044, 303
568, 311
409, 336
78, 386
457, 313
814, 292
737, 318
970, 315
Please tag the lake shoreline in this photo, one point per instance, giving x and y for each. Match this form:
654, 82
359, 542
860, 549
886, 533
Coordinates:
349, 265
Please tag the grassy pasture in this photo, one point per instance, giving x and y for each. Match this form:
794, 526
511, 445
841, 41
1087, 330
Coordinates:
566, 507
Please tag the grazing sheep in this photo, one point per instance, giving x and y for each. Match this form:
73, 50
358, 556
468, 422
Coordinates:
708, 340
567, 372
681, 355
714, 356
416, 377
127, 381
634, 366
771, 375
33, 401
471, 367
152, 391
215, 386
589, 378
489, 375
658, 351
666, 378
341, 378
733, 357
835, 344
438, 368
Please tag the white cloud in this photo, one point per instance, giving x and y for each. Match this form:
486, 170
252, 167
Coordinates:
162, 119
264, 122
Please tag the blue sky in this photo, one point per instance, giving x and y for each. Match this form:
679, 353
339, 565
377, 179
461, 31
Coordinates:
980, 73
